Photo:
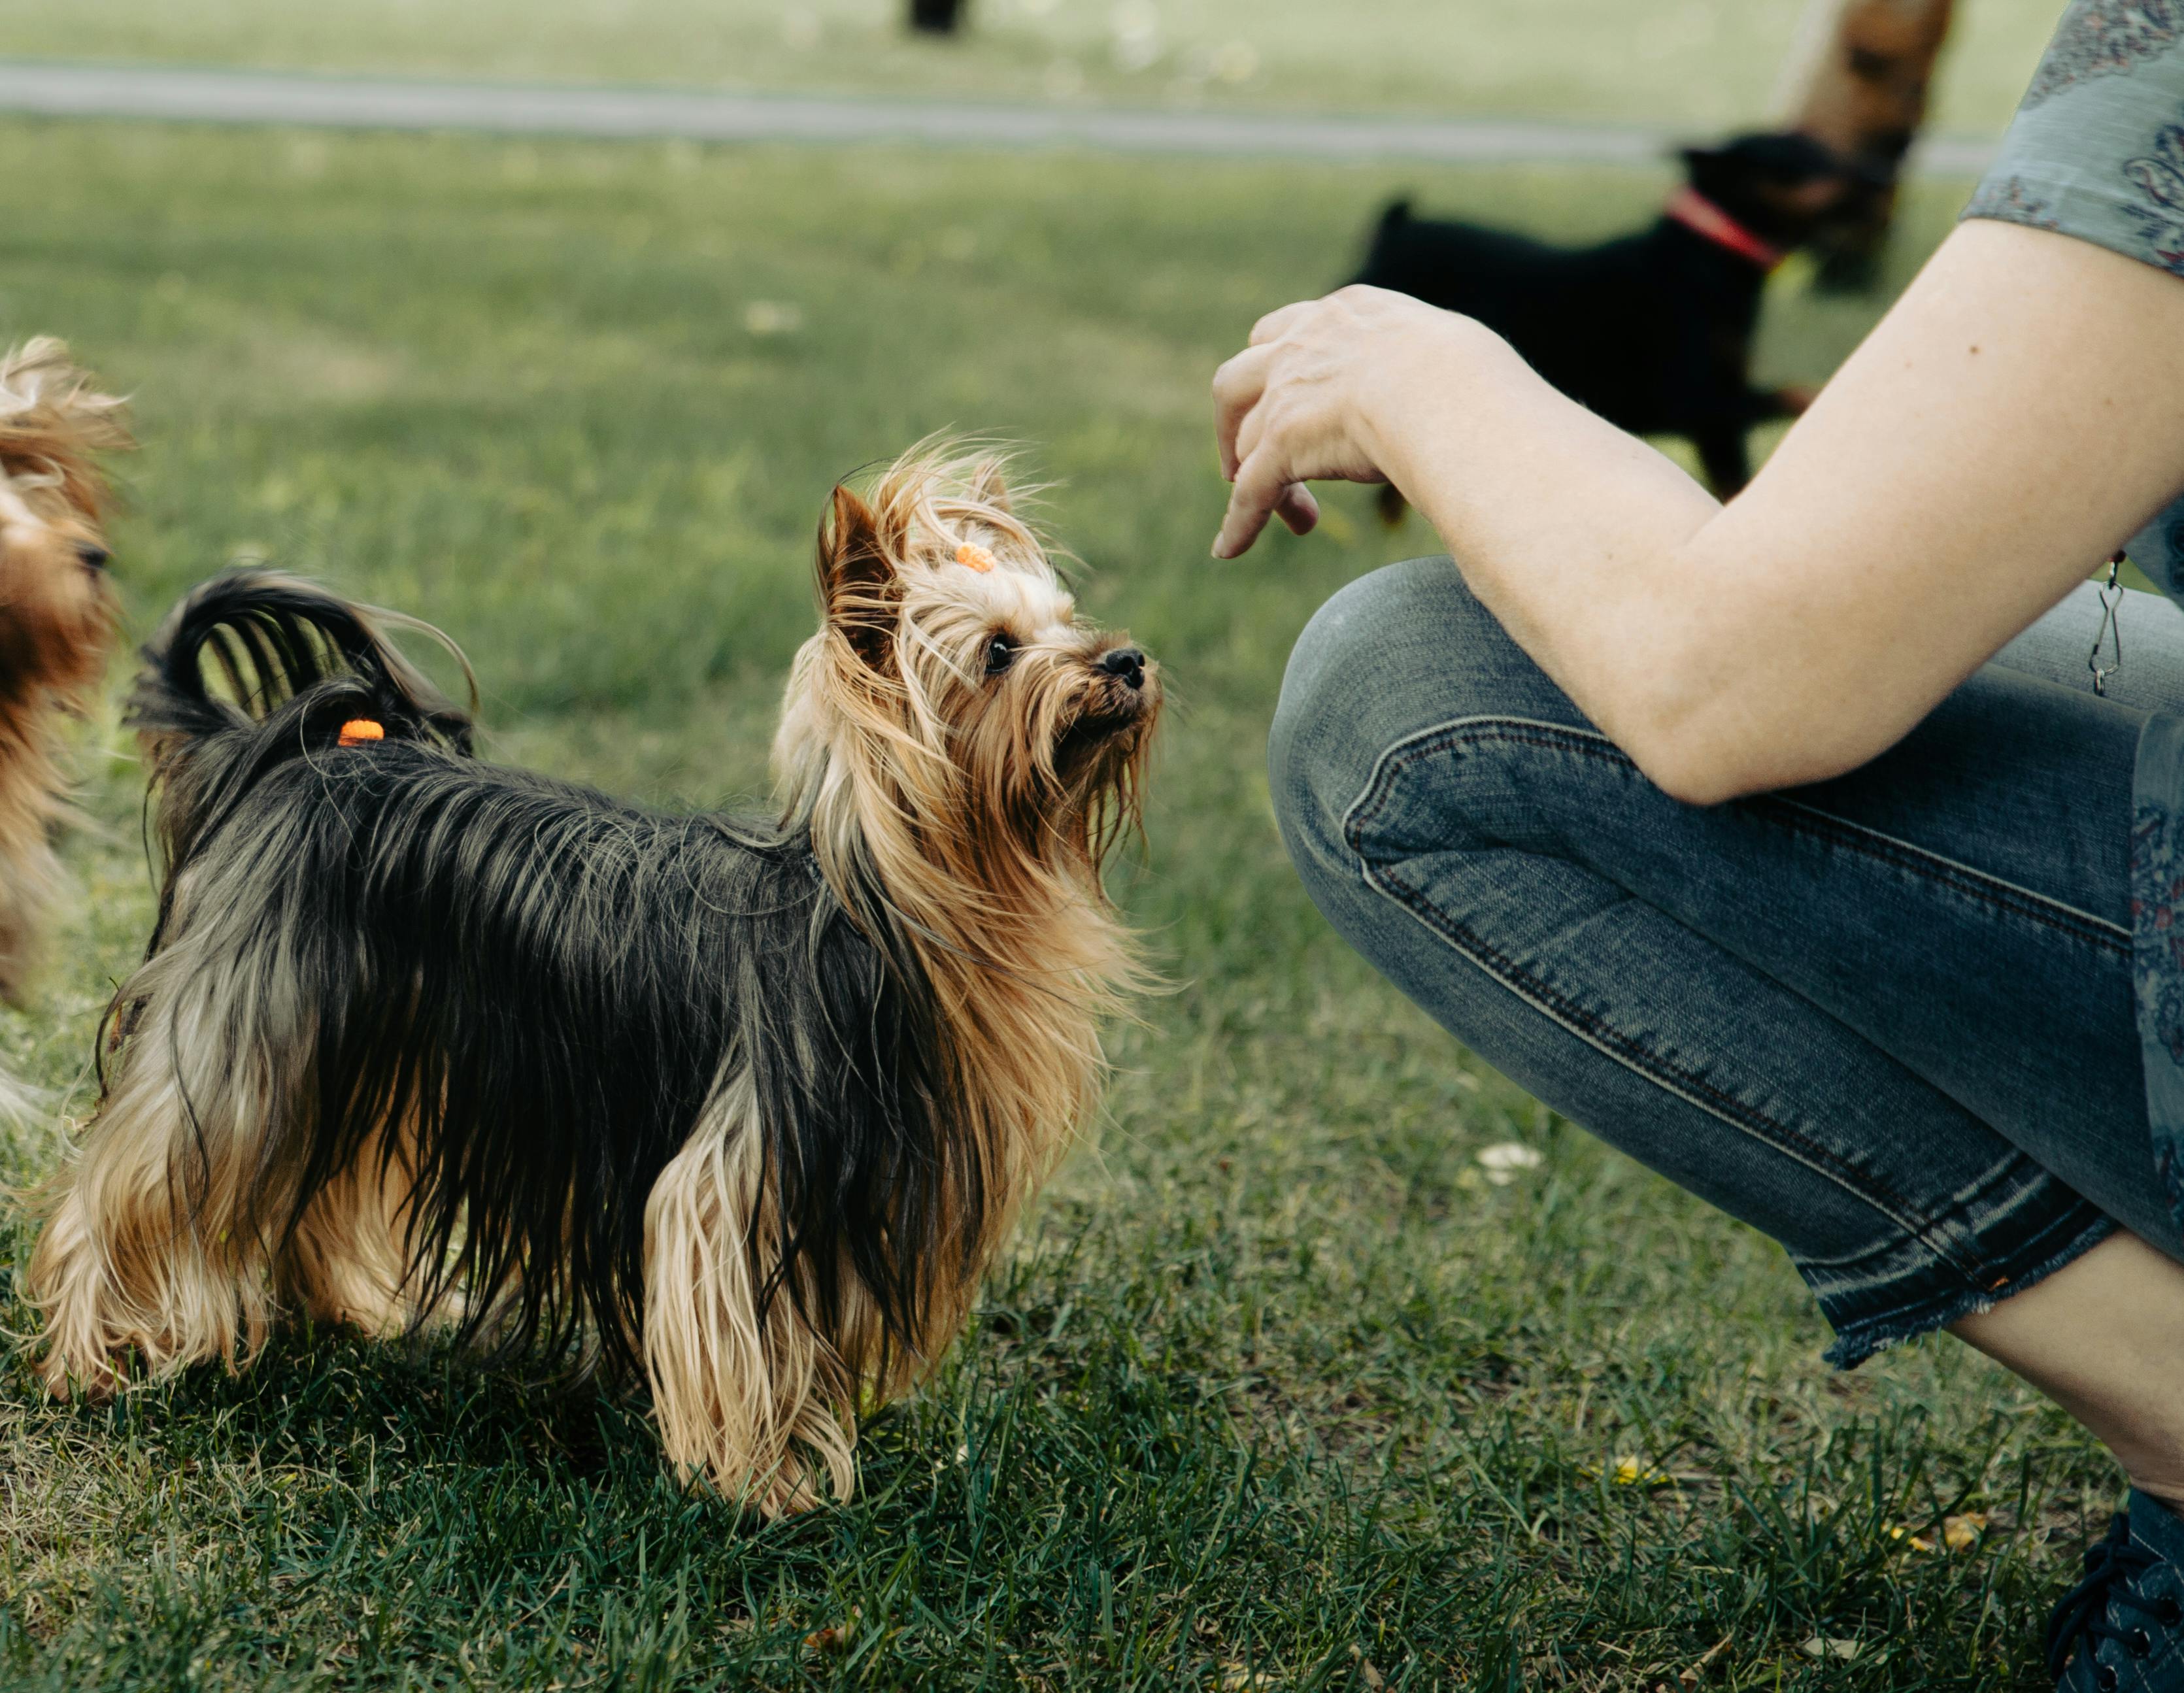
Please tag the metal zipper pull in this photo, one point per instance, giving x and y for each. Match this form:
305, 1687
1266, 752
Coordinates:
2111, 595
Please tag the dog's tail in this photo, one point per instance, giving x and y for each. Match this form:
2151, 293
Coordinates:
253, 669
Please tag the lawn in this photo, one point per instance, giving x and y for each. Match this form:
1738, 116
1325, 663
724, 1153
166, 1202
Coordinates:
1279, 1390
1698, 64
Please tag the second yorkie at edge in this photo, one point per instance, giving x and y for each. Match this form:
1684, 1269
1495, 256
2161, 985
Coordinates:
742, 1108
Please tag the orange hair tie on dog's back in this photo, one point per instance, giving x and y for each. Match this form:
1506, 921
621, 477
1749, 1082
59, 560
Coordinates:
972, 555
361, 732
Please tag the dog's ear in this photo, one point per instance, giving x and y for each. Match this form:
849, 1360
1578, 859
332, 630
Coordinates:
989, 482
857, 581
53, 422
1715, 171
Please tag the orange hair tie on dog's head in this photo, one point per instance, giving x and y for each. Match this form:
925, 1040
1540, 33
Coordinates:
972, 556
361, 732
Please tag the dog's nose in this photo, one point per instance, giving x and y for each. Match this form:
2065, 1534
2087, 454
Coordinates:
91, 555
1126, 662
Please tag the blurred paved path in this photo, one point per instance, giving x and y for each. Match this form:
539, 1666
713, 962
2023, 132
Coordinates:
247, 96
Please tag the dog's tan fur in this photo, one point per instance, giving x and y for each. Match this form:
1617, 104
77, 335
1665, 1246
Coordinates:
56, 614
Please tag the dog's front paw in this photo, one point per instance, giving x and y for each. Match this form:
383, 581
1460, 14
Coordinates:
96, 1378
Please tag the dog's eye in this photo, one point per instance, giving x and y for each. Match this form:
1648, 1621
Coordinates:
1001, 652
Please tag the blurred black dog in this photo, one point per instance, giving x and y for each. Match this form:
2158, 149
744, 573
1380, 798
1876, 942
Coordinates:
1652, 330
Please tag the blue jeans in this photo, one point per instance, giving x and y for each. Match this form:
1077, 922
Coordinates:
1887, 1019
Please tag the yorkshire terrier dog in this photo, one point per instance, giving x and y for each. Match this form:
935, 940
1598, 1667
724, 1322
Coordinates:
56, 613
743, 1108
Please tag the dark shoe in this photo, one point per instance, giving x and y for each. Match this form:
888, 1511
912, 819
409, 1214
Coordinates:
2121, 1629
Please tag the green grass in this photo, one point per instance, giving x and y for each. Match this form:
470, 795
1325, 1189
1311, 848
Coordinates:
1277, 1391
1696, 63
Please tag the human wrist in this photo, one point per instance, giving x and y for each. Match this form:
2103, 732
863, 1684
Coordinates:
1404, 409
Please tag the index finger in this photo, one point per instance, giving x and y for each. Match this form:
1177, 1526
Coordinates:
1237, 386
1261, 485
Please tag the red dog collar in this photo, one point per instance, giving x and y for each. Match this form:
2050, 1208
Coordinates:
1692, 209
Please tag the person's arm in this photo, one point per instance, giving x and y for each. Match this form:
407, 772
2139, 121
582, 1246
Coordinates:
2016, 416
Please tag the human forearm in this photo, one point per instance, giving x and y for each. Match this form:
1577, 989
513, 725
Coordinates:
1576, 536
1611, 568
2016, 415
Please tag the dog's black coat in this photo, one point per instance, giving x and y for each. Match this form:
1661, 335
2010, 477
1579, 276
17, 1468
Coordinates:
548, 985
1652, 330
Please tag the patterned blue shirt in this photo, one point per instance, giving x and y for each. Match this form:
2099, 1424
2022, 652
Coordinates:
2096, 151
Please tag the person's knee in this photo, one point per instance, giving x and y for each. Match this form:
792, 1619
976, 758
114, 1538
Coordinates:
1389, 654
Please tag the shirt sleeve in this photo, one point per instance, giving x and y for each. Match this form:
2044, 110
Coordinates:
2096, 151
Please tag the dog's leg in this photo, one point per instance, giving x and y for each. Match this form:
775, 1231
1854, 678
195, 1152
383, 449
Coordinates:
1725, 458
1861, 87
753, 1403
348, 1260
149, 1245
30, 873
29, 876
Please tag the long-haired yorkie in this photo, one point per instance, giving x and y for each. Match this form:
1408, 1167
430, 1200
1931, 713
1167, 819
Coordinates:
56, 614
743, 1109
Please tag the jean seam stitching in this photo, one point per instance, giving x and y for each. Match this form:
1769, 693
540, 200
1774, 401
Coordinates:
1616, 1045
2069, 1218
1962, 1210
1973, 883
1661, 1073
2040, 908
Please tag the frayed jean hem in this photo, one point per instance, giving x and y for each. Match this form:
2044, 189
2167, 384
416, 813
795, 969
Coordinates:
1860, 1333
